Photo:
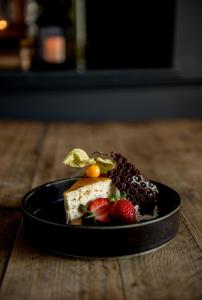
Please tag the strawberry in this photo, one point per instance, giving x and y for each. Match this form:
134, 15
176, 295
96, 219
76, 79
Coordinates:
100, 209
123, 211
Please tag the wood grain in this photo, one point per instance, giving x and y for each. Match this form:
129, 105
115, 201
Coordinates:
172, 272
51, 277
166, 151
9, 221
19, 150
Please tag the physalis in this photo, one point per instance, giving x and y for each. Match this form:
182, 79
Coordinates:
78, 158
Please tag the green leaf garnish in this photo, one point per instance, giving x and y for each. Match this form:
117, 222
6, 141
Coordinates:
123, 195
112, 197
90, 216
83, 209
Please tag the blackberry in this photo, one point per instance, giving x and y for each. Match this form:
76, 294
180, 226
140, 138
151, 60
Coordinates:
137, 178
121, 179
119, 167
129, 178
148, 192
123, 173
151, 184
115, 155
133, 192
116, 173
128, 166
119, 186
118, 158
143, 184
134, 172
110, 173
126, 177
140, 191
113, 178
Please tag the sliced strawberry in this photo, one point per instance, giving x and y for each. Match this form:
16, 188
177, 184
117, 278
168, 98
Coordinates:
100, 208
123, 212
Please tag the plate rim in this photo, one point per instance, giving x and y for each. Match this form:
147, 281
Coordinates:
94, 227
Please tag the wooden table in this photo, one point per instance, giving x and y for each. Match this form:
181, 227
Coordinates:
167, 151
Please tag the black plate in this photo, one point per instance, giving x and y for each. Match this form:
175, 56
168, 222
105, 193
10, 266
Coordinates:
44, 219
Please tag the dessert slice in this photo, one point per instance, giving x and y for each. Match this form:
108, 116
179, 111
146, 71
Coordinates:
82, 192
118, 177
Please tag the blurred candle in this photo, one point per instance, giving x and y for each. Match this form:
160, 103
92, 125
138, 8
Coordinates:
3, 24
54, 49
52, 45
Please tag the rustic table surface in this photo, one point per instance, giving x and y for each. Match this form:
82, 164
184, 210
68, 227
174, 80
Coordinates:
31, 153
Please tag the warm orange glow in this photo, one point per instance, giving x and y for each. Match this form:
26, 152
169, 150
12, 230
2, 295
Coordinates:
54, 49
3, 24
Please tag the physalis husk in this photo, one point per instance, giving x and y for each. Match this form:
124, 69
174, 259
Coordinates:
78, 158
105, 164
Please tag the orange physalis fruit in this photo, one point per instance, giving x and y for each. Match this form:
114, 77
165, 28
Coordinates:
93, 171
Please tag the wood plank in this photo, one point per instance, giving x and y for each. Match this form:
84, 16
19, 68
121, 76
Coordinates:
172, 155
169, 152
51, 277
155, 147
19, 150
60, 138
105, 137
177, 163
172, 272
9, 221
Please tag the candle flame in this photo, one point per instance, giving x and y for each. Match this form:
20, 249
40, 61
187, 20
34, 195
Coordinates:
3, 24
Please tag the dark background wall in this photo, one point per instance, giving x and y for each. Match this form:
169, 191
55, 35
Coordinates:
120, 95
126, 103
188, 37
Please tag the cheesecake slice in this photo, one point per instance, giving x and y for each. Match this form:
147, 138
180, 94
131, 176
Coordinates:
83, 191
